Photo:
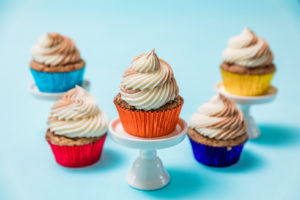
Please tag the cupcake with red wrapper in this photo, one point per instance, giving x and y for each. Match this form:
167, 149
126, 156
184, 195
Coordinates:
56, 64
77, 129
217, 132
149, 103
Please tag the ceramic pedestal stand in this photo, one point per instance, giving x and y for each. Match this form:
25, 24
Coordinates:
147, 172
245, 103
32, 88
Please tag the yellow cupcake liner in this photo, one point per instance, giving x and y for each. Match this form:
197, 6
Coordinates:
245, 84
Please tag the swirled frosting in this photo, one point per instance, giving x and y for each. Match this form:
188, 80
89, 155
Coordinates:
219, 119
54, 49
148, 83
248, 50
77, 115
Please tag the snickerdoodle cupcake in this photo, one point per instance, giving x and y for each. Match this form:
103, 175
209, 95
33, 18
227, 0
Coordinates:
149, 103
247, 67
56, 64
217, 132
76, 129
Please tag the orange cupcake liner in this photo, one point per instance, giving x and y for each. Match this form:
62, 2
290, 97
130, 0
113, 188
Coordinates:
149, 124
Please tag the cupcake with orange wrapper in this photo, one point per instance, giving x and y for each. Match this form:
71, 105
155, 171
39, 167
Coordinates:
149, 103
56, 64
247, 68
217, 132
76, 129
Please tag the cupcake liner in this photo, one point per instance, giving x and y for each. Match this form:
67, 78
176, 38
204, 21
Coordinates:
149, 124
78, 156
57, 81
216, 156
246, 85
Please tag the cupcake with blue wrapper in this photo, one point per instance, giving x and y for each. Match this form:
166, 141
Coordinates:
56, 64
217, 132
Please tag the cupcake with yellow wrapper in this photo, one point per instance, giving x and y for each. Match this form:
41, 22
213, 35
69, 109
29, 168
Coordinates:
247, 68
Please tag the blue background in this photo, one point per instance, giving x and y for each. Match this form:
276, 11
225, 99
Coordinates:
190, 35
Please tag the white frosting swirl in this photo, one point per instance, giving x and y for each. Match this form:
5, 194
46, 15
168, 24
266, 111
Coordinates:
219, 119
54, 49
77, 115
248, 50
149, 83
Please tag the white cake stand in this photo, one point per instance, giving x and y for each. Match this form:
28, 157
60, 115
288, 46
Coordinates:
245, 103
32, 88
147, 172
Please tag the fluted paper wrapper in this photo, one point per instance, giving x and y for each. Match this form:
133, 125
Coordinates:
149, 124
216, 156
246, 85
57, 81
78, 156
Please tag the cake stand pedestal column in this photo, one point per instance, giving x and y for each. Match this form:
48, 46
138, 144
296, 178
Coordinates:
147, 172
252, 129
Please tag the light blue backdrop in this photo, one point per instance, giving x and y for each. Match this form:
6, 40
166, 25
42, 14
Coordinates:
190, 35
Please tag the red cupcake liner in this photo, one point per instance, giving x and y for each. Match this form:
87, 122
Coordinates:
149, 124
78, 156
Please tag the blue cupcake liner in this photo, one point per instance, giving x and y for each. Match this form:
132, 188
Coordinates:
57, 81
216, 156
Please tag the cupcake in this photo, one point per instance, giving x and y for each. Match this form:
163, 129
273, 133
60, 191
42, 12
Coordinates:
217, 132
149, 103
76, 129
247, 67
56, 64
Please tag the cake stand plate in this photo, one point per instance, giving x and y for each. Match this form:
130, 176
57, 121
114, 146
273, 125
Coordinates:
32, 88
147, 172
245, 103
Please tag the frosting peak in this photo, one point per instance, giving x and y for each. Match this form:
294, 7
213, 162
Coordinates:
245, 39
219, 119
77, 115
248, 50
148, 62
148, 83
54, 49
77, 100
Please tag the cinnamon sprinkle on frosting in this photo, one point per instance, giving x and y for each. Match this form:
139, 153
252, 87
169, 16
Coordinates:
248, 50
54, 49
219, 119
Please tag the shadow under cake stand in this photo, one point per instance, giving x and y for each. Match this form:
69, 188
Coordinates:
147, 172
33, 89
245, 103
